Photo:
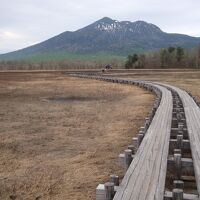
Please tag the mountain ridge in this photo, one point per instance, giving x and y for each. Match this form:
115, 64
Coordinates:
108, 35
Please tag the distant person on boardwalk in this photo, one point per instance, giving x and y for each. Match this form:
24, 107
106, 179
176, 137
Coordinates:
107, 67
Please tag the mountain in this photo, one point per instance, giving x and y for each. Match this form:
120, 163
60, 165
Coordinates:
110, 36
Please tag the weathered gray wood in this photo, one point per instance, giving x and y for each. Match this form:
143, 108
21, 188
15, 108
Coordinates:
145, 178
179, 141
135, 142
168, 196
176, 131
186, 165
177, 160
180, 126
143, 129
100, 192
185, 162
121, 159
177, 194
132, 148
178, 184
185, 144
128, 158
177, 151
114, 179
109, 191
192, 113
140, 138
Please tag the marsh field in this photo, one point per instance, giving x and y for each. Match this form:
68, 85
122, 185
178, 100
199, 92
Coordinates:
60, 136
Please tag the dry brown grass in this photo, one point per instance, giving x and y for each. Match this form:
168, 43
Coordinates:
62, 150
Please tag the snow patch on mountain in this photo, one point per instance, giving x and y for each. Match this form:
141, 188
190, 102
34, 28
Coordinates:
108, 27
138, 27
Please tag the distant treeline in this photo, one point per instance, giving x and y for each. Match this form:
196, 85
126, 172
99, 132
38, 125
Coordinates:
58, 65
172, 57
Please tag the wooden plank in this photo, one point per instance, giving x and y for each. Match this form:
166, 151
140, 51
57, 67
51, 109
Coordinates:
169, 195
145, 178
192, 113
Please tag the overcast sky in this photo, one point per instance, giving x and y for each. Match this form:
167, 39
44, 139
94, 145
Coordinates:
26, 22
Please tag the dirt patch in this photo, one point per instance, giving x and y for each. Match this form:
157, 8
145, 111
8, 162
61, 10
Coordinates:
56, 150
71, 99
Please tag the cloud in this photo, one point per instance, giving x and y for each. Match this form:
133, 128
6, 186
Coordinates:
9, 35
11, 40
24, 22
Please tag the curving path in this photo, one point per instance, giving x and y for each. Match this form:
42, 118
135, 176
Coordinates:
145, 178
192, 112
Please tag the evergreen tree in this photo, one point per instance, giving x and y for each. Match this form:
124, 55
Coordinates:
131, 61
141, 61
164, 57
179, 54
198, 57
171, 49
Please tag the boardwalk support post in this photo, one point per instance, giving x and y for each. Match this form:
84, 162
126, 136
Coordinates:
132, 148
128, 158
179, 141
180, 126
114, 179
177, 194
135, 142
140, 138
177, 160
109, 191
178, 184
177, 151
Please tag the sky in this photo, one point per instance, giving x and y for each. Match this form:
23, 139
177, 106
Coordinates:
27, 22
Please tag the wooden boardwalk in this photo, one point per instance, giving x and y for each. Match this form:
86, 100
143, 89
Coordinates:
192, 112
145, 178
